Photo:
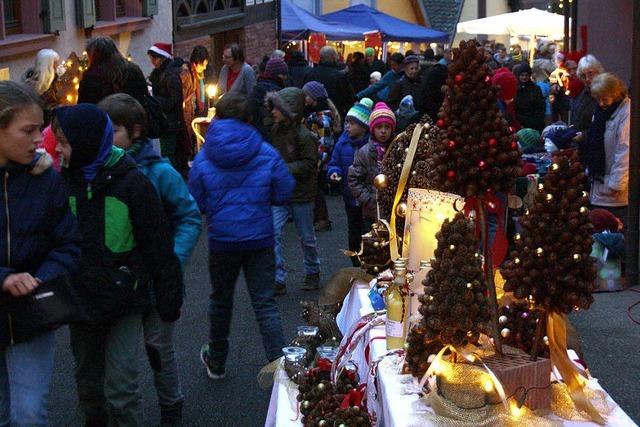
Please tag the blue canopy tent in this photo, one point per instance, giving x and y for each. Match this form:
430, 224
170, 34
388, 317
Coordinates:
297, 23
391, 28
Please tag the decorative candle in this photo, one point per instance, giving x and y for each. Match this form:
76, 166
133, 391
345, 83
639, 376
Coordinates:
427, 210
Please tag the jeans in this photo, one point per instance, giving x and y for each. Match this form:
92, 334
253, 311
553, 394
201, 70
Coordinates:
320, 209
259, 271
302, 214
158, 341
106, 372
26, 370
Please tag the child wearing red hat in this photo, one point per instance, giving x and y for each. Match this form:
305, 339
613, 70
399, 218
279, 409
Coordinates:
367, 160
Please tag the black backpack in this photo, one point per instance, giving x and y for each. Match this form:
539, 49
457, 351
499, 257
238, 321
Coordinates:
156, 118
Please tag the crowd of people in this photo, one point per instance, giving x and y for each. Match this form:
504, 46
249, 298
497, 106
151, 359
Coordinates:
91, 204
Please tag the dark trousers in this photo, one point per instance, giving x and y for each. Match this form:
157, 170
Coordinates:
356, 228
320, 211
259, 272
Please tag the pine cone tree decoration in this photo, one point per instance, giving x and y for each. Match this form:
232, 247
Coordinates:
551, 263
454, 306
320, 401
475, 151
394, 161
518, 323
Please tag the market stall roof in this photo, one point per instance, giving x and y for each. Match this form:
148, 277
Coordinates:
391, 28
297, 23
523, 22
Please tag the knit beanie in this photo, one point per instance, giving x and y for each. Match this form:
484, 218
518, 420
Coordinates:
381, 114
406, 106
90, 134
521, 68
233, 105
315, 90
361, 111
369, 51
508, 83
375, 76
410, 59
276, 67
529, 140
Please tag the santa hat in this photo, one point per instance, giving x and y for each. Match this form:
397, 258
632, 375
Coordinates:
162, 49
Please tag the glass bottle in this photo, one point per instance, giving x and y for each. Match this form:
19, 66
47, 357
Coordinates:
397, 301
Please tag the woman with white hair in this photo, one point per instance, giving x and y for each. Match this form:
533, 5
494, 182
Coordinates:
605, 151
43, 77
582, 106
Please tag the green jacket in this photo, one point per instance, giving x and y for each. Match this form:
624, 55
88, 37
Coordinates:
127, 245
295, 143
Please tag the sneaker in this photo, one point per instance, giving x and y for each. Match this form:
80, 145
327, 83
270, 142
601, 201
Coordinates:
279, 289
215, 369
323, 225
311, 282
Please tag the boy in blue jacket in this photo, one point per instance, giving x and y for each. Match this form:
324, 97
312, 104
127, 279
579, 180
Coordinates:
356, 134
129, 125
236, 178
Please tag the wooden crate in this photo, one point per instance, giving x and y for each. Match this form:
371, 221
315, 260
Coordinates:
517, 373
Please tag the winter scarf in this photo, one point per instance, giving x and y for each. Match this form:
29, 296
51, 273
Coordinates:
593, 155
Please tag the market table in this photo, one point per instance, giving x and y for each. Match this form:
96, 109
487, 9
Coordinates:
396, 405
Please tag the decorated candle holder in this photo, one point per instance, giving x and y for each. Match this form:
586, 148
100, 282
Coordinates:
426, 211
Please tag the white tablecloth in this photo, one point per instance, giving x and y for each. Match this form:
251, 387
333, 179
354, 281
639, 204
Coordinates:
396, 408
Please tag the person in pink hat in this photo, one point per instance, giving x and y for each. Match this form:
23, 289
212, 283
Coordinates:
367, 160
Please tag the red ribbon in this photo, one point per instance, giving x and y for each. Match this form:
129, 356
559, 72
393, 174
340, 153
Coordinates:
367, 349
354, 397
492, 205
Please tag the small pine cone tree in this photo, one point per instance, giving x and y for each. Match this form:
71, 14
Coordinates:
551, 263
454, 305
476, 151
320, 400
518, 323
393, 163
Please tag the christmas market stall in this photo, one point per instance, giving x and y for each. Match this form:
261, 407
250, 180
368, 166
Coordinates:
462, 324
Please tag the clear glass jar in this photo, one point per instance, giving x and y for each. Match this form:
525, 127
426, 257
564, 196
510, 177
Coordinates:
294, 363
326, 352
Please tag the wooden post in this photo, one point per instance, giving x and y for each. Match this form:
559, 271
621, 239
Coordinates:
540, 328
488, 273
632, 235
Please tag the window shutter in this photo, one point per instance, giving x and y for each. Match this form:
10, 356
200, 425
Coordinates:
149, 7
85, 13
53, 12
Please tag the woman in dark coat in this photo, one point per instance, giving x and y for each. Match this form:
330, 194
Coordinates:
529, 102
109, 72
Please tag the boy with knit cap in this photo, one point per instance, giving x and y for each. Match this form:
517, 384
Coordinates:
127, 251
323, 120
366, 164
355, 135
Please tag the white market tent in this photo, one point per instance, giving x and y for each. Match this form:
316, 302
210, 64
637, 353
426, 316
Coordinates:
528, 22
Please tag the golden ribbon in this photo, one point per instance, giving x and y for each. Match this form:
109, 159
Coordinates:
470, 353
404, 177
575, 381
